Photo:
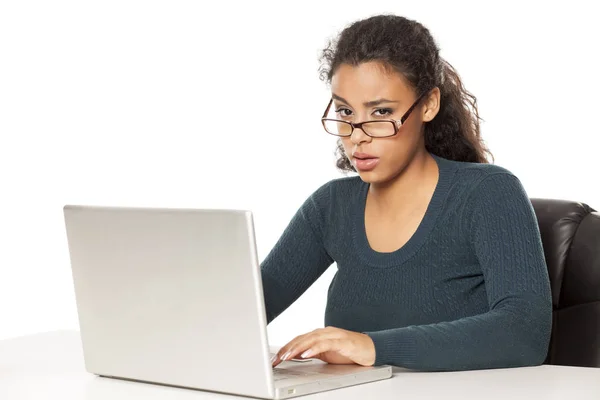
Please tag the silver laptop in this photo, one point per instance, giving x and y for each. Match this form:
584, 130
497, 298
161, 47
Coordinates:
174, 297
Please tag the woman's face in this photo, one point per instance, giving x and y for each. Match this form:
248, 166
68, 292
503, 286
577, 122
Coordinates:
351, 87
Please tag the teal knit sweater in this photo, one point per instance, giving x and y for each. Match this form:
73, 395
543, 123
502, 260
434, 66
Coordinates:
469, 290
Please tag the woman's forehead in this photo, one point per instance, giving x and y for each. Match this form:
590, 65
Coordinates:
368, 80
358, 89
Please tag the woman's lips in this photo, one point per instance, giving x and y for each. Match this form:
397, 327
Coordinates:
366, 164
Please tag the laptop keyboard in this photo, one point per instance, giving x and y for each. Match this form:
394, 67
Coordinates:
302, 360
279, 374
288, 373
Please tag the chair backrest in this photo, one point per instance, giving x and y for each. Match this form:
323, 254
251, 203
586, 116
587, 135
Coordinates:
571, 237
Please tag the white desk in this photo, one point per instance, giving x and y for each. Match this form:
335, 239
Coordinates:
50, 366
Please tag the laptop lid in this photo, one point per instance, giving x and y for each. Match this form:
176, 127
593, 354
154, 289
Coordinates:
170, 296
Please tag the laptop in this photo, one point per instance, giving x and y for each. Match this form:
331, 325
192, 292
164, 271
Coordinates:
174, 297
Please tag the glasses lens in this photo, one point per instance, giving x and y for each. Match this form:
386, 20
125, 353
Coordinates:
339, 128
379, 128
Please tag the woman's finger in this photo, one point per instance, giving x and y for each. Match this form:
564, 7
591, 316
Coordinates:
286, 350
322, 346
303, 342
326, 338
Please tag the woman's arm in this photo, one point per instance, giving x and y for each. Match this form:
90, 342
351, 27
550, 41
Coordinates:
516, 330
299, 257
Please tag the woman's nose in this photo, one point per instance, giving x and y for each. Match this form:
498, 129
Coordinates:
359, 136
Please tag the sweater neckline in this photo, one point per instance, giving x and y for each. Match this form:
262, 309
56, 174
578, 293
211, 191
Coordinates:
397, 257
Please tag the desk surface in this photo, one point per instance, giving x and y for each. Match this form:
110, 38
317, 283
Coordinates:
50, 366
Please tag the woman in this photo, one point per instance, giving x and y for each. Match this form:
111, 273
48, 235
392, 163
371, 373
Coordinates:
439, 256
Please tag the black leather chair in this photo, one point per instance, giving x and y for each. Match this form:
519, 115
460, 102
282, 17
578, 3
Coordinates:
571, 237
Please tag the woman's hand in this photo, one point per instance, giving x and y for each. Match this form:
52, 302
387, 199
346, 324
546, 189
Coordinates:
332, 345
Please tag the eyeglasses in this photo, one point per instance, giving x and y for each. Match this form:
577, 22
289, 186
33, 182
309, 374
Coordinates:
376, 128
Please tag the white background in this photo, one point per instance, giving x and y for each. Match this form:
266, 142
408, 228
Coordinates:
163, 103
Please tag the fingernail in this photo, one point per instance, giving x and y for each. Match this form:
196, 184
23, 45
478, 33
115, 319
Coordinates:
273, 358
286, 355
306, 354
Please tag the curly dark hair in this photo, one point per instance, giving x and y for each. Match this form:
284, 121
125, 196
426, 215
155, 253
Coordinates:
407, 47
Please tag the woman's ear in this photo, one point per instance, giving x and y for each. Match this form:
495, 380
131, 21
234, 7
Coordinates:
431, 105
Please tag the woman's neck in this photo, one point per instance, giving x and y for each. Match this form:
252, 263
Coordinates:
410, 189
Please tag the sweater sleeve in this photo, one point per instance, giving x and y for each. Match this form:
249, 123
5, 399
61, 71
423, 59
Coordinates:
299, 257
505, 238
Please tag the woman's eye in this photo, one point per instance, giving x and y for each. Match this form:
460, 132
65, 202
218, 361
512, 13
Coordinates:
382, 112
386, 111
340, 111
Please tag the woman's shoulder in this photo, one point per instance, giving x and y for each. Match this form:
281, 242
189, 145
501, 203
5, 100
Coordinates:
479, 169
475, 183
338, 187
472, 175
490, 186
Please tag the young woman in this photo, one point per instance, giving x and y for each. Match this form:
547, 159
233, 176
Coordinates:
439, 256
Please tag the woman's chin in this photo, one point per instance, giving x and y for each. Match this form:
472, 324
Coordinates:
370, 176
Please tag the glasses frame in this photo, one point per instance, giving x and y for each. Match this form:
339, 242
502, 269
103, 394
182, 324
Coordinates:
397, 122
